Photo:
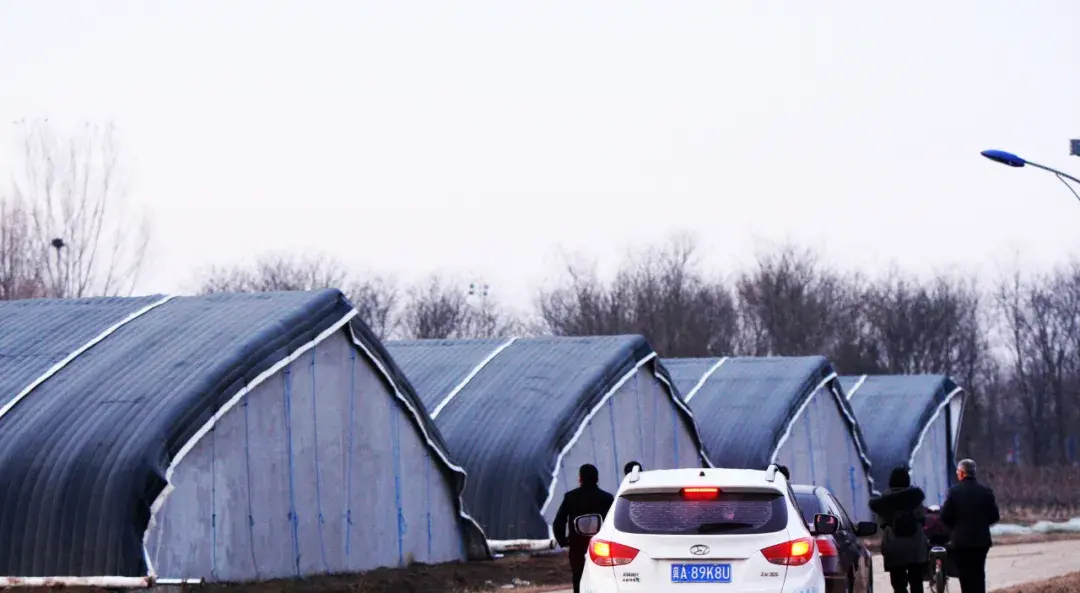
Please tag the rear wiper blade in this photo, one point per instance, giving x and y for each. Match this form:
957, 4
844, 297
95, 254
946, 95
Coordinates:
722, 526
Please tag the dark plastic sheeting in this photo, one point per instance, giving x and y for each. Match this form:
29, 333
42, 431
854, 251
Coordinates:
84, 455
744, 406
37, 334
893, 410
508, 428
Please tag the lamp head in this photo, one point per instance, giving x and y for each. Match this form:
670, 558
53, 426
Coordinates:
1005, 158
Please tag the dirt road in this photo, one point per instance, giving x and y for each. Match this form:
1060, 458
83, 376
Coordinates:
1011, 565
1007, 565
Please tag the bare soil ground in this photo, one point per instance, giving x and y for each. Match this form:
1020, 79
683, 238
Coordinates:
1012, 566
1013, 561
1067, 583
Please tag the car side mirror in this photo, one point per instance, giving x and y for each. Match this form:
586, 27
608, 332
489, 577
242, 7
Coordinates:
588, 524
825, 524
865, 529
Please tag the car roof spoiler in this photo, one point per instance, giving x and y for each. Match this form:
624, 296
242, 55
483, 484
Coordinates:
770, 473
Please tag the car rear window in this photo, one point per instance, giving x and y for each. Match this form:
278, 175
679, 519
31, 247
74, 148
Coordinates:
731, 513
809, 505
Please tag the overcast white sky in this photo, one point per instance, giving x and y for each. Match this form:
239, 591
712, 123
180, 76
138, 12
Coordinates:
484, 137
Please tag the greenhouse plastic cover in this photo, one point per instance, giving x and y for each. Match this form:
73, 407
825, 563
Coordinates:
748, 403
893, 410
508, 430
100, 394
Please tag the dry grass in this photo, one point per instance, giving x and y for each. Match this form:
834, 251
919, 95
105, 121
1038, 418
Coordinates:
1069, 583
1030, 494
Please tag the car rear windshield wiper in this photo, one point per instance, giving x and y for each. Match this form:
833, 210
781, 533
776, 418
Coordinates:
722, 526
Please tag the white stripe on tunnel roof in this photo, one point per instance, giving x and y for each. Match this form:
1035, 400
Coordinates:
704, 378
472, 374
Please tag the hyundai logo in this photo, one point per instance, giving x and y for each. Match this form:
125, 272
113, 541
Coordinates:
699, 550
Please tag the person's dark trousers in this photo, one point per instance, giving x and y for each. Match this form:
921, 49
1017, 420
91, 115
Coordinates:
971, 568
908, 576
577, 567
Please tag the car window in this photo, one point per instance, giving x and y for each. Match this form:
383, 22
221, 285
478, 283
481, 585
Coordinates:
808, 506
731, 513
838, 509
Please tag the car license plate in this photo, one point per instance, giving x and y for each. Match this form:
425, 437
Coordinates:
701, 573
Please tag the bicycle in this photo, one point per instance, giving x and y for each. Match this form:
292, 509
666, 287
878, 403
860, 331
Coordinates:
939, 574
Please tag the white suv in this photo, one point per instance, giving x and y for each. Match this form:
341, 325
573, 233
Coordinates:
704, 530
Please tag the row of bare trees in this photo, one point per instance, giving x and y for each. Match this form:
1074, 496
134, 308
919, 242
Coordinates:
436, 307
1014, 344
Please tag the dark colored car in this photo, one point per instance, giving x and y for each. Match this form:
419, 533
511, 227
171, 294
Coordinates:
848, 564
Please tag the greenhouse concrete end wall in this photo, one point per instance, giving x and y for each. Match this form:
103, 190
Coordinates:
930, 464
348, 465
638, 423
820, 451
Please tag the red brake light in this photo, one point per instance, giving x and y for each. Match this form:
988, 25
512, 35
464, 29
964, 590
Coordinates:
605, 553
700, 493
826, 547
793, 553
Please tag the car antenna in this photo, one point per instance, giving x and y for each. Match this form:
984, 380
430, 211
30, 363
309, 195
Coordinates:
635, 473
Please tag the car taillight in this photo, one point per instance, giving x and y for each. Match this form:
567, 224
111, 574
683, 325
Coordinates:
826, 547
793, 553
700, 493
605, 553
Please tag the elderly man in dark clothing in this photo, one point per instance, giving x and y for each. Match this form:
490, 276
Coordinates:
586, 499
969, 511
900, 514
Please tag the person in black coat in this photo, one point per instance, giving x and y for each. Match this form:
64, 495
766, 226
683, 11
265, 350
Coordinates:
901, 515
587, 499
969, 511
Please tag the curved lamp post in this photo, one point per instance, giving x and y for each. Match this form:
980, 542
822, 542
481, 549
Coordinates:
1010, 159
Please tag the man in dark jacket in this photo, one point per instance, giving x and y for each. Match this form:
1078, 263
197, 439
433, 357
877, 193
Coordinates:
969, 511
586, 499
900, 514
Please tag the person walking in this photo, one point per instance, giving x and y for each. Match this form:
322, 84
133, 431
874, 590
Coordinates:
969, 511
900, 514
586, 499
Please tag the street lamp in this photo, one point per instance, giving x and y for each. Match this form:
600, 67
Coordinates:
1010, 159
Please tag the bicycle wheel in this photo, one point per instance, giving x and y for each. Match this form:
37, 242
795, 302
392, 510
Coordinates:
941, 580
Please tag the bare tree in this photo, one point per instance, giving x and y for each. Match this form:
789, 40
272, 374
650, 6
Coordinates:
658, 292
928, 327
791, 304
1039, 328
90, 240
378, 301
21, 265
276, 272
584, 306
437, 309
376, 298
